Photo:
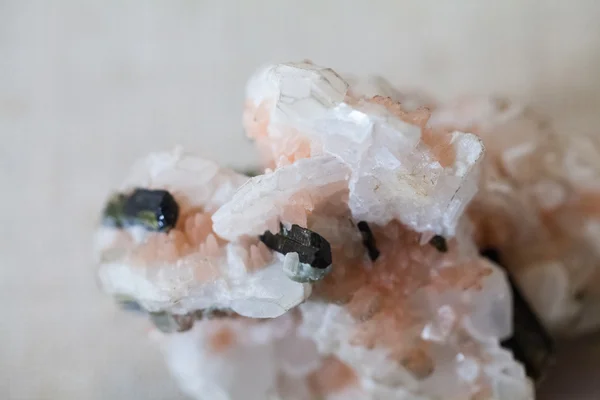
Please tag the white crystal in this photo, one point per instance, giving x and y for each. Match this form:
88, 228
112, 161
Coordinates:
196, 181
393, 174
537, 205
229, 367
220, 278
302, 272
285, 195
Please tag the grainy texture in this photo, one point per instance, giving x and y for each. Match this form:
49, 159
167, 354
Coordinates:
87, 88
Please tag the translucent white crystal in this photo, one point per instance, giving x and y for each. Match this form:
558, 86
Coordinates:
302, 272
394, 176
284, 195
217, 361
492, 310
538, 203
195, 181
269, 293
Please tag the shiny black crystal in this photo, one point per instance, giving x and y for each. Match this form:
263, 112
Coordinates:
311, 247
368, 240
439, 242
155, 210
530, 343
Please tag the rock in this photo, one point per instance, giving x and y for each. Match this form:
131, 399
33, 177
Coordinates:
399, 168
154, 210
190, 268
310, 247
368, 240
537, 205
351, 268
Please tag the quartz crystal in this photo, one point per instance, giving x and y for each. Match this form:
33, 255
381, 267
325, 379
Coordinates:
351, 268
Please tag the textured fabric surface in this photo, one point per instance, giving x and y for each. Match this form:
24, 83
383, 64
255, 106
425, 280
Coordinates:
87, 87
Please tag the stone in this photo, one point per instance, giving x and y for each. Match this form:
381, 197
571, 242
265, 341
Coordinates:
364, 262
189, 268
399, 169
284, 195
169, 323
310, 247
303, 272
155, 210
537, 206
439, 242
368, 240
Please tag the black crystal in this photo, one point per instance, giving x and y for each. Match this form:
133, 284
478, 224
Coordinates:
155, 210
439, 242
530, 343
368, 240
213, 313
171, 323
311, 247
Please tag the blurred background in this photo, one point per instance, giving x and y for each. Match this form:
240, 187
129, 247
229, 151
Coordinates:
86, 87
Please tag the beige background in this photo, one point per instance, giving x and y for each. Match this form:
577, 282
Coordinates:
88, 86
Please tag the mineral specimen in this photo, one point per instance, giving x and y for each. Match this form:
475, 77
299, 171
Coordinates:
152, 209
307, 254
398, 168
538, 203
169, 323
439, 242
351, 269
312, 249
530, 343
190, 268
368, 240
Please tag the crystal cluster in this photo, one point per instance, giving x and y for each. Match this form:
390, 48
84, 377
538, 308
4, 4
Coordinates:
538, 205
351, 268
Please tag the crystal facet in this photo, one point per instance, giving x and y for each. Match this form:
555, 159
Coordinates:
154, 210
